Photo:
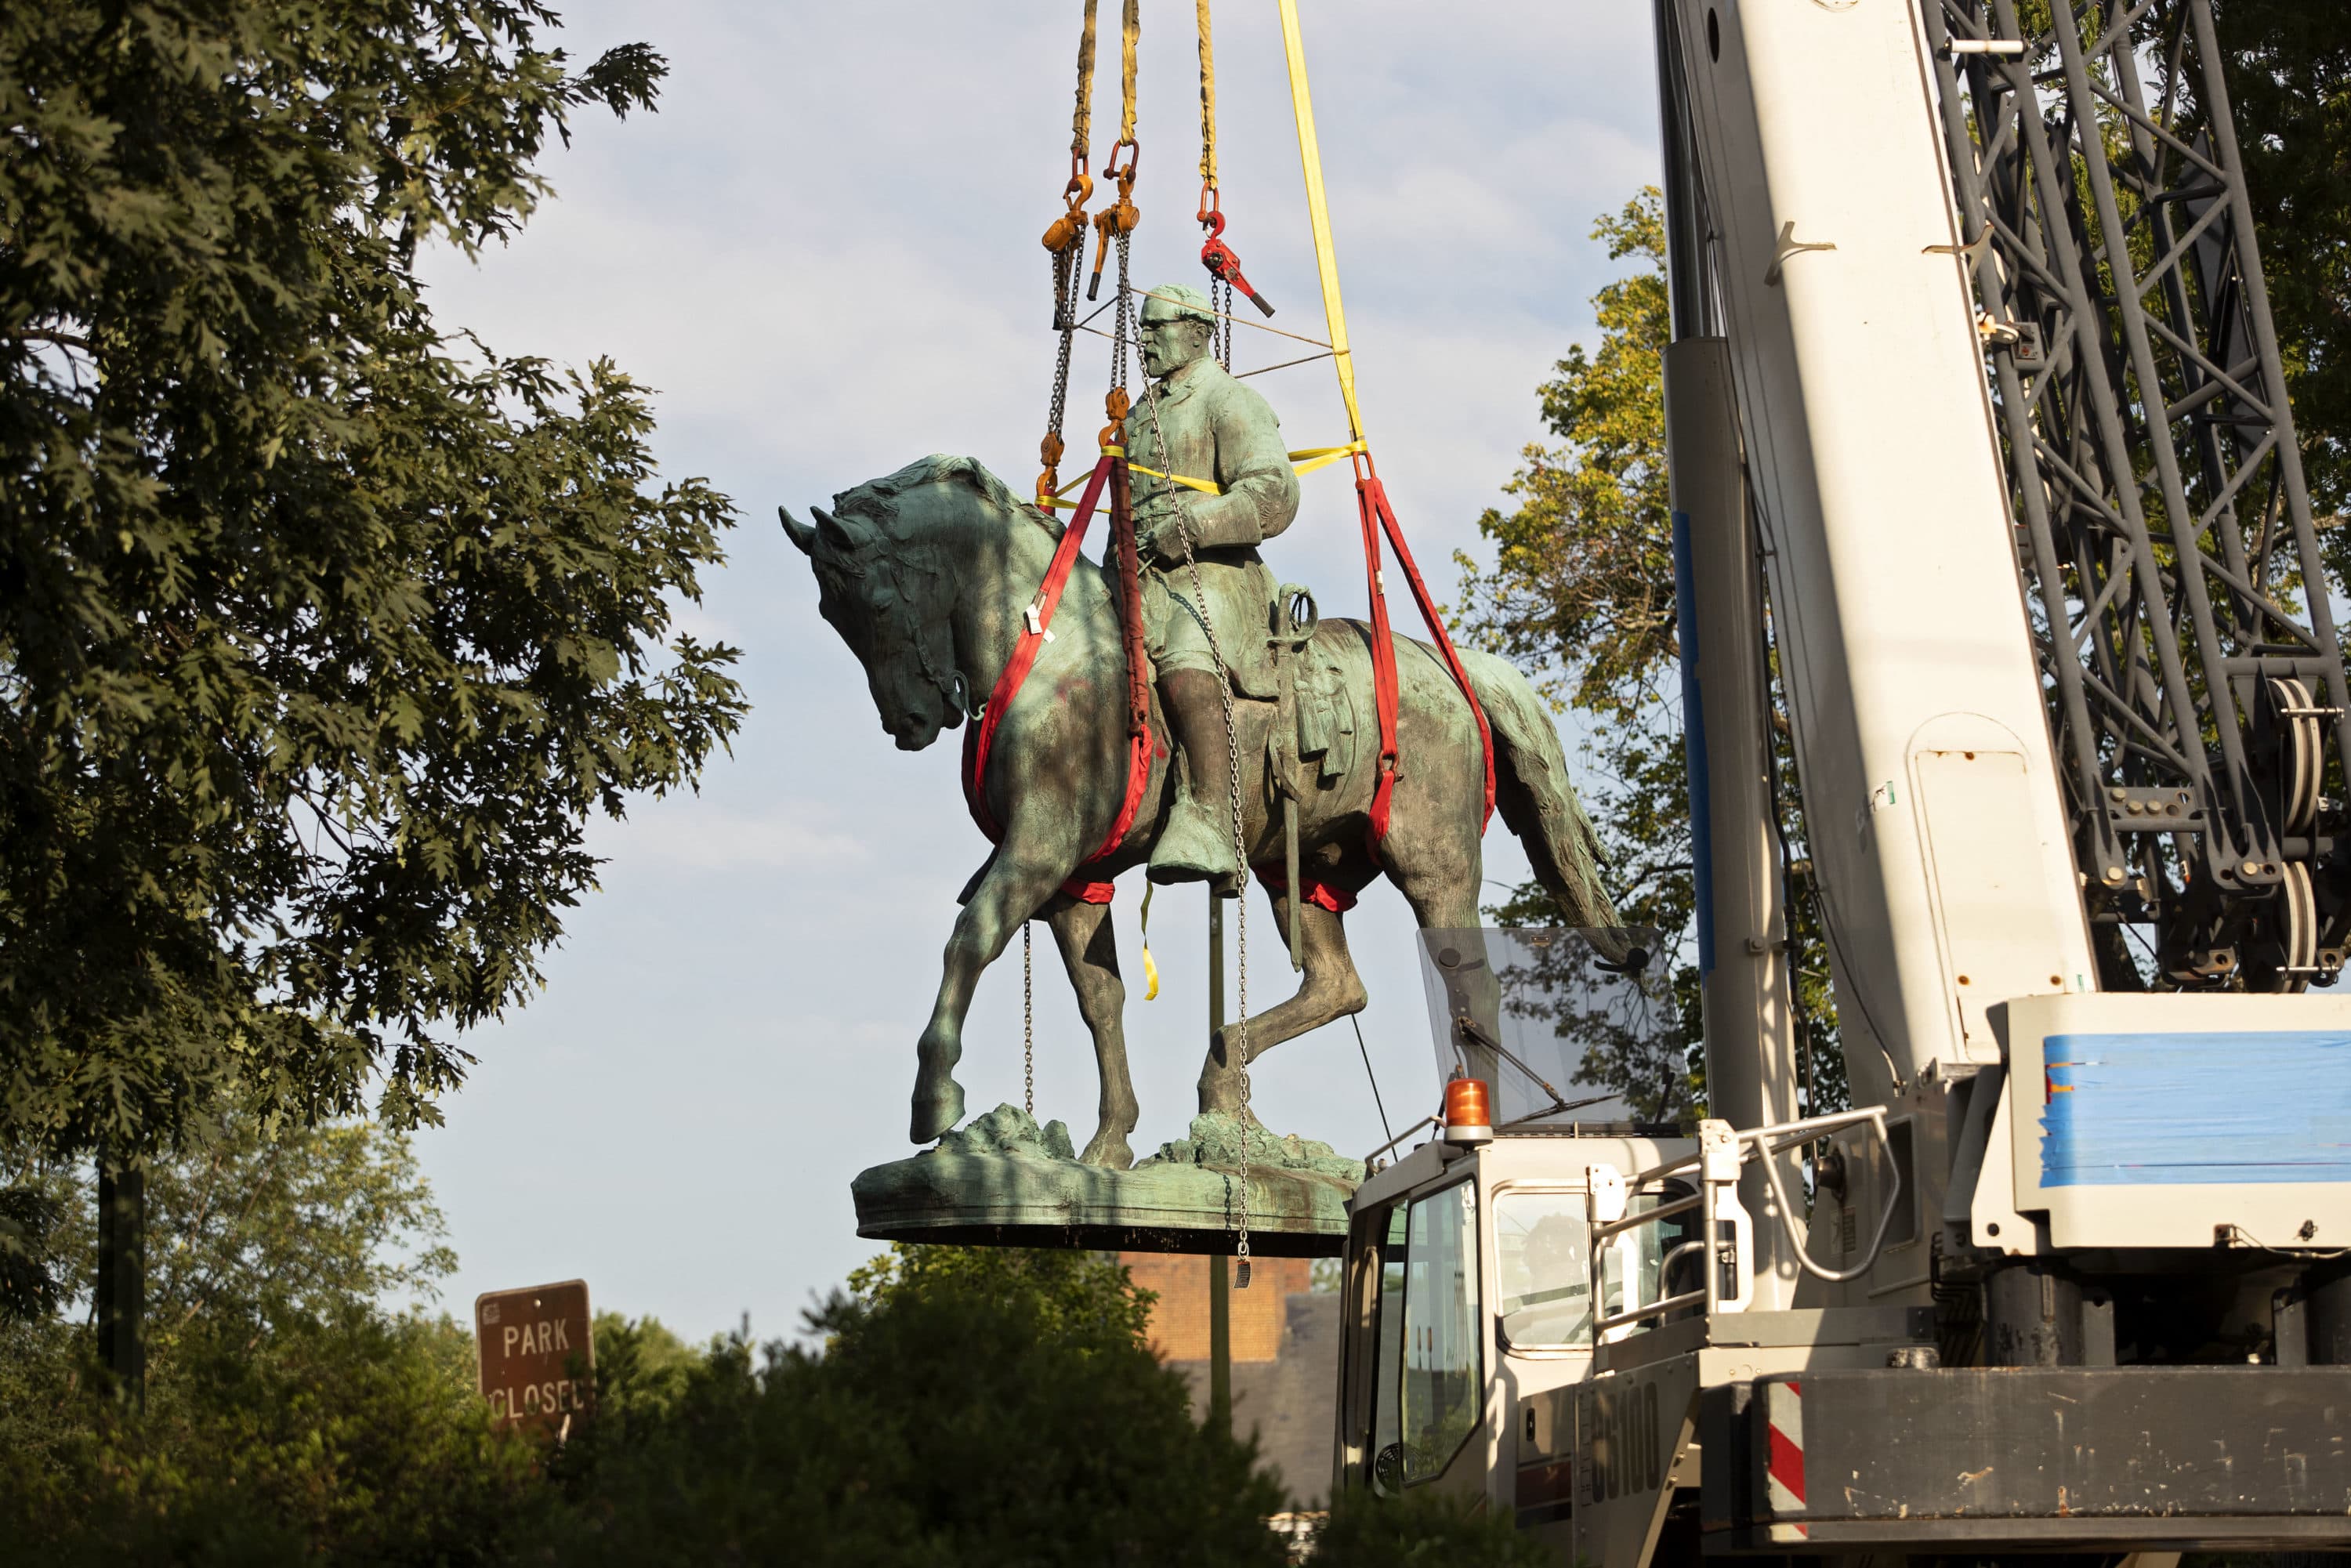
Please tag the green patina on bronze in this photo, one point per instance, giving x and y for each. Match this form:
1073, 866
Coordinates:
1004, 1179
926, 574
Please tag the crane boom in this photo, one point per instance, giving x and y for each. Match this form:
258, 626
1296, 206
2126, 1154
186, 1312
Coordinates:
1904, 648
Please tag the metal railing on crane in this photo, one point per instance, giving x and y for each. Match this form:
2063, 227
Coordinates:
1722, 1150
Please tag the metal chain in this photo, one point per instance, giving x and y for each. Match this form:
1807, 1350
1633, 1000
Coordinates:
1124, 325
1065, 322
1027, 1026
1221, 332
1240, 845
1067, 263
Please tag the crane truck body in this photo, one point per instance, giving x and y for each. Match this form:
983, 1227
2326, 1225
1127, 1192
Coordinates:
1984, 478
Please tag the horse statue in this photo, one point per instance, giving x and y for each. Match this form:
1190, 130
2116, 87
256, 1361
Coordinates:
926, 575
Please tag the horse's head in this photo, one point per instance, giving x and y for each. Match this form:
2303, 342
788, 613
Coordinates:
887, 573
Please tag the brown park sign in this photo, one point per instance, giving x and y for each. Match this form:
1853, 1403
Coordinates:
536, 1352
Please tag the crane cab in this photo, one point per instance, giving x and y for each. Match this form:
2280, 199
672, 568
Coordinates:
1469, 1286
1468, 1308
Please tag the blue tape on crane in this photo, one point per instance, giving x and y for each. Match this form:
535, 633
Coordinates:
1701, 807
2163, 1110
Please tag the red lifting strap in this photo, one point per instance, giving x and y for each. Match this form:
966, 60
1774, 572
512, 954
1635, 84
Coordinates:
981, 738
1379, 517
1327, 895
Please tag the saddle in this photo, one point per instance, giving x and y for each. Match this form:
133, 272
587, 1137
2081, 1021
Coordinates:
1311, 742
1311, 745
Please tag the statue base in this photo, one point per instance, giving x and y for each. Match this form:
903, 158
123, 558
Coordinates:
1003, 1181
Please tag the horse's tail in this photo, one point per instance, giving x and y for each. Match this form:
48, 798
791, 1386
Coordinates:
1531, 788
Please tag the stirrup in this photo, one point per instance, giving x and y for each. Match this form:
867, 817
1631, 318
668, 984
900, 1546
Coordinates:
1226, 884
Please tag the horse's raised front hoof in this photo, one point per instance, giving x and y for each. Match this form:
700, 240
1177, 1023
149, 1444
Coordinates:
938, 1106
1109, 1150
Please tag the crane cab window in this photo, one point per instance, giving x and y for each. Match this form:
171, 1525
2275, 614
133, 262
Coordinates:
1431, 1370
1544, 1267
1390, 1326
1648, 1254
1543, 1261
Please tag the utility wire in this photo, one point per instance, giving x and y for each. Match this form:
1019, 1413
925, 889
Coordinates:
1368, 1074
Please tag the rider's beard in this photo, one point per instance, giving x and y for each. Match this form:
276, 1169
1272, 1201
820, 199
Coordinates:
1161, 360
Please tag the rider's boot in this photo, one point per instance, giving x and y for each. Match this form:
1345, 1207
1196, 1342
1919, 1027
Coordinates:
1196, 846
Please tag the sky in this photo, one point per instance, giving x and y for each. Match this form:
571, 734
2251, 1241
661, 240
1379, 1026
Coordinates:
822, 254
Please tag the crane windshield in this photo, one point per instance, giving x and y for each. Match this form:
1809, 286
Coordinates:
1566, 1024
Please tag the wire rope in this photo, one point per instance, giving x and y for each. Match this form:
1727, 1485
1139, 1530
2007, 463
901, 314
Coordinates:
1366, 1052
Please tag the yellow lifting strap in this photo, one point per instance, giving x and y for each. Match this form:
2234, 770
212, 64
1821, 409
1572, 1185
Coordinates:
1131, 24
1150, 967
1301, 462
1082, 123
1207, 104
1315, 457
1205, 487
1310, 154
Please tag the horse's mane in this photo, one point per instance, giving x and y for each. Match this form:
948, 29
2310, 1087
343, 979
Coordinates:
876, 500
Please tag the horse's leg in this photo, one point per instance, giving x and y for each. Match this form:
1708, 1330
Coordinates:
1011, 889
1331, 988
1089, 946
1441, 905
1444, 898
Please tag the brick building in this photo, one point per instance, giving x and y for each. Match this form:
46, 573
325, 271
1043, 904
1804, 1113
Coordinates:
1285, 1350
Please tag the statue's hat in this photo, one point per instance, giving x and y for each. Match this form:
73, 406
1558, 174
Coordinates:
1177, 302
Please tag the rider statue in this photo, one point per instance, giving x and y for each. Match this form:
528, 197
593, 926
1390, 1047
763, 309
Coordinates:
1201, 424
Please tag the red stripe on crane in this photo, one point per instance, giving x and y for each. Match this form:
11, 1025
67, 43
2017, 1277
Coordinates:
1784, 1428
1787, 1464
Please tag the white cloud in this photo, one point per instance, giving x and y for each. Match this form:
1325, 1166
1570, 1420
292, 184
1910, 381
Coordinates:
688, 834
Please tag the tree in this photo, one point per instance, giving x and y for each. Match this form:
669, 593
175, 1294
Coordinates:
2288, 70
257, 1226
643, 1368
30, 1278
959, 1407
1425, 1525
969, 1407
322, 631
1581, 595
1085, 1297
292, 1416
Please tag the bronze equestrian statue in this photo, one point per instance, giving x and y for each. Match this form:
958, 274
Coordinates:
928, 575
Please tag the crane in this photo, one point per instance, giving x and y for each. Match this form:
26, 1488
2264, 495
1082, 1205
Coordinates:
1981, 461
